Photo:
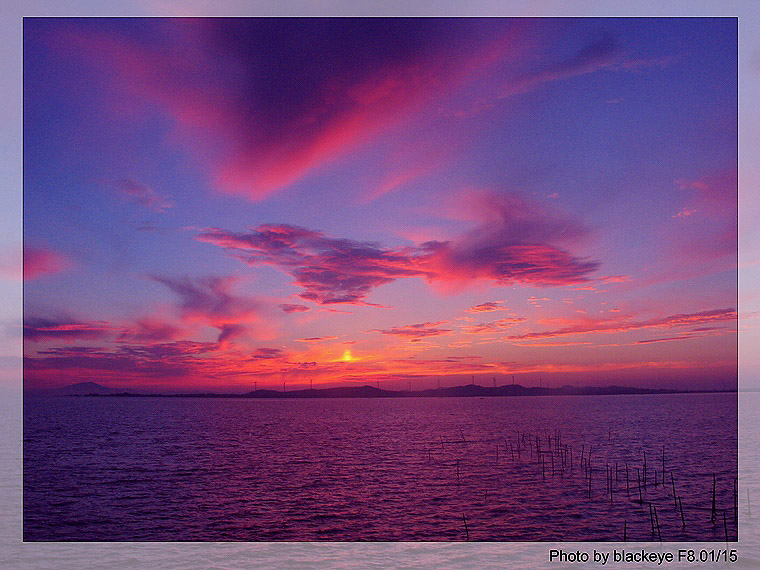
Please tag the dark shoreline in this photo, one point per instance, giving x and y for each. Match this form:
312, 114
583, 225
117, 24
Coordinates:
366, 391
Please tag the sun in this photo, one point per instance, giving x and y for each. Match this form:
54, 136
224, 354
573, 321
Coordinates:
347, 357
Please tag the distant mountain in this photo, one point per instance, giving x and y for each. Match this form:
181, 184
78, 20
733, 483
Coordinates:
86, 389
366, 391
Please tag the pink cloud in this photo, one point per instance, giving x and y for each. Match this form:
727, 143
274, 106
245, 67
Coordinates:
211, 301
317, 339
417, 331
141, 194
207, 76
291, 308
513, 244
707, 226
150, 330
493, 327
551, 344
39, 262
622, 323
41, 329
488, 307
397, 180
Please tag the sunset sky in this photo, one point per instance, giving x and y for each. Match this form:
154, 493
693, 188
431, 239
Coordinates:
210, 204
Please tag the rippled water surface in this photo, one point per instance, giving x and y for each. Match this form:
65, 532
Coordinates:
169, 469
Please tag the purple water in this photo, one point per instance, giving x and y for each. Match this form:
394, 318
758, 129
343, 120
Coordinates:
169, 469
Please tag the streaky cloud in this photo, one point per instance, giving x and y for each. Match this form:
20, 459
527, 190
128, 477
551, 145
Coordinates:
622, 323
40, 262
514, 243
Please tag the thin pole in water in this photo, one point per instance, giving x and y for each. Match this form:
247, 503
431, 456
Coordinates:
736, 502
466, 530
645, 469
657, 520
725, 525
680, 506
712, 512
543, 473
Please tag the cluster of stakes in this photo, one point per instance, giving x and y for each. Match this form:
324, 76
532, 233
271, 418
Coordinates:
646, 485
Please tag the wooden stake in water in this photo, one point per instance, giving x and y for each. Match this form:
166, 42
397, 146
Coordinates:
736, 502
651, 518
680, 506
657, 520
466, 530
712, 511
673, 483
543, 475
645, 469
638, 478
725, 525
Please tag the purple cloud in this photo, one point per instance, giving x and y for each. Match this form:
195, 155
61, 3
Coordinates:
513, 243
40, 329
417, 331
210, 300
141, 194
290, 308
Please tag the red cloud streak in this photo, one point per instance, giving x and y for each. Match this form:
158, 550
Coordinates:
622, 324
39, 262
334, 270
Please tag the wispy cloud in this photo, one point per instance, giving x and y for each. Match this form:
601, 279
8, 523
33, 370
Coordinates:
292, 308
494, 326
39, 262
488, 307
211, 301
150, 330
622, 323
417, 331
206, 76
36, 328
141, 194
513, 244
317, 339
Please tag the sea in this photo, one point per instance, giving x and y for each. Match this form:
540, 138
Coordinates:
617, 468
